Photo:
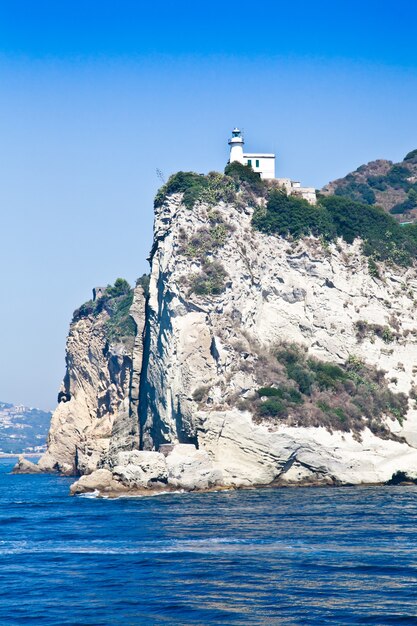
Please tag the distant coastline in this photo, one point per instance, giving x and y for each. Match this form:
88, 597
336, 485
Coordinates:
9, 455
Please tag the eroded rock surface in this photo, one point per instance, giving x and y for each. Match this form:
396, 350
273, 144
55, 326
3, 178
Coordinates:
189, 468
24, 466
101, 481
141, 469
206, 352
184, 468
190, 381
100, 417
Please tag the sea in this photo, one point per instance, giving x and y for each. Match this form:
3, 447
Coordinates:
263, 556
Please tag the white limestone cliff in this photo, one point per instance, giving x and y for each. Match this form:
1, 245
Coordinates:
197, 361
276, 290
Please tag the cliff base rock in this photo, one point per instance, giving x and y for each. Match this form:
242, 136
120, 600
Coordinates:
24, 466
140, 472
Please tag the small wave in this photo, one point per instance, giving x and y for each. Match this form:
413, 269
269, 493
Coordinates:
204, 545
90, 494
153, 494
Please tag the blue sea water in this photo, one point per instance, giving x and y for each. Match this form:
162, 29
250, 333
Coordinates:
269, 556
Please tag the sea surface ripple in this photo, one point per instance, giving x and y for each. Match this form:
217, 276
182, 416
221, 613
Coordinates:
268, 556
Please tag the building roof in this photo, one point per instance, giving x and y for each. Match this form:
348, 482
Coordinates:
263, 155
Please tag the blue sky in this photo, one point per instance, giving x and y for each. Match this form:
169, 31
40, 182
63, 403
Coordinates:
96, 95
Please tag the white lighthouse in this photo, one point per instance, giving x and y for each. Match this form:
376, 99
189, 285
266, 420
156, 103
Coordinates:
262, 163
236, 146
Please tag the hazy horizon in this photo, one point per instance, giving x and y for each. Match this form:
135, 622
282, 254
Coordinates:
96, 98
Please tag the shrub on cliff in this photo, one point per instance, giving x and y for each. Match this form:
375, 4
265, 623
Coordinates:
397, 177
411, 156
211, 189
310, 392
84, 310
188, 183
359, 192
144, 281
335, 216
116, 302
290, 215
120, 288
211, 281
245, 174
120, 325
206, 239
383, 237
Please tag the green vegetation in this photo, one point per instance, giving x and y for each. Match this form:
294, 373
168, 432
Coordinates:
377, 182
408, 205
384, 238
272, 407
373, 268
120, 288
276, 401
189, 183
120, 325
212, 188
310, 392
290, 215
383, 183
359, 192
211, 281
116, 302
411, 156
364, 330
144, 282
199, 246
206, 239
363, 191
245, 174
397, 177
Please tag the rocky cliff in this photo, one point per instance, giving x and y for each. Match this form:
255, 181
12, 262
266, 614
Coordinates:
210, 353
97, 412
259, 359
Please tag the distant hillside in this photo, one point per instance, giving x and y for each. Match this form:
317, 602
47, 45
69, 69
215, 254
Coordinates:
22, 429
393, 186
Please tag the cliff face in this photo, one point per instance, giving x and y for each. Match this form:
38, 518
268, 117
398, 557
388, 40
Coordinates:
280, 361
101, 381
207, 355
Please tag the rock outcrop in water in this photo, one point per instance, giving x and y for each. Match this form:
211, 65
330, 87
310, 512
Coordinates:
256, 360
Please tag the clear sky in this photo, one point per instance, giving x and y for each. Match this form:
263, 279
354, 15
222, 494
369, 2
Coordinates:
97, 94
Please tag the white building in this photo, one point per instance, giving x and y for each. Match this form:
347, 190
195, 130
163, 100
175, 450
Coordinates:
264, 165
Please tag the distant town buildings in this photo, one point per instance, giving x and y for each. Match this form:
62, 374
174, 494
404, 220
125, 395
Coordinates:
264, 164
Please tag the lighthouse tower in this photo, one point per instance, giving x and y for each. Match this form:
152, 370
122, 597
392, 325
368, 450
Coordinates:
236, 146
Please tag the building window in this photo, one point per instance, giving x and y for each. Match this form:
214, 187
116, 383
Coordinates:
250, 162
257, 162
